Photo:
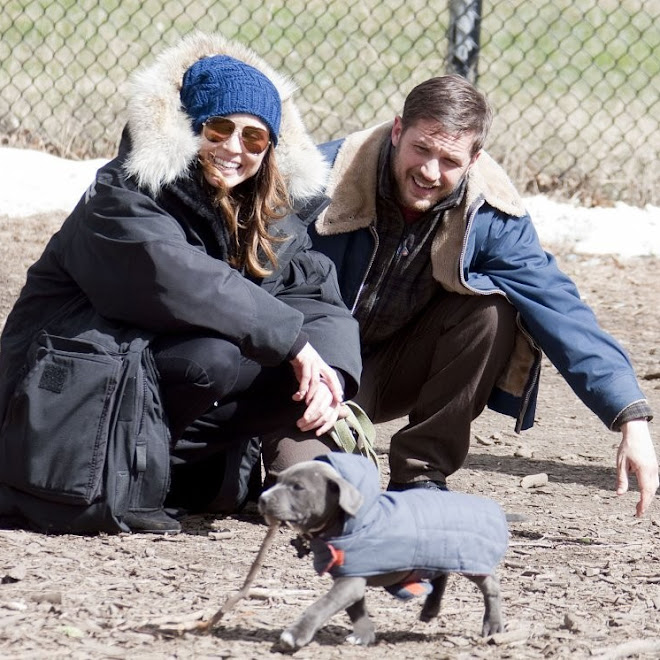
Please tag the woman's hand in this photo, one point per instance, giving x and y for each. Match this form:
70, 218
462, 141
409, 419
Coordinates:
319, 388
321, 412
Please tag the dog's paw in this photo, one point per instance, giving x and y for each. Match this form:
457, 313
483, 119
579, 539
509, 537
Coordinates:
361, 640
288, 641
293, 639
492, 626
364, 632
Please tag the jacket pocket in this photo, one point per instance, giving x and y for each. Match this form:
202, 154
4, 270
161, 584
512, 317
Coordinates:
55, 433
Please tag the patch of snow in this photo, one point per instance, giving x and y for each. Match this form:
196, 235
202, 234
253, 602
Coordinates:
37, 182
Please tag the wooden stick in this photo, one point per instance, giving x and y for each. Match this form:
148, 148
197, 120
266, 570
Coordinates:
230, 603
625, 650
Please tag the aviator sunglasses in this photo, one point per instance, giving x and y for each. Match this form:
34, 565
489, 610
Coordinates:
219, 129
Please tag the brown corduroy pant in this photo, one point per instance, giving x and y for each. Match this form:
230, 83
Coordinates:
439, 370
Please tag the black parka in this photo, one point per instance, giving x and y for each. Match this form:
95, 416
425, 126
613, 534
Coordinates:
144, 255
154, 264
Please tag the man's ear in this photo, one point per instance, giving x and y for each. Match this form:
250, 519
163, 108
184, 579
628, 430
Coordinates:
350, 498
473, 160
397, 130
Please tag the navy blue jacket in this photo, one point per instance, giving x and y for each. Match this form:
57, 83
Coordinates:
486, 246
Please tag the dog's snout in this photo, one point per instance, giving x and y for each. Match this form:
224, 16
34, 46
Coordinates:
271, 506
266, 500
262, 502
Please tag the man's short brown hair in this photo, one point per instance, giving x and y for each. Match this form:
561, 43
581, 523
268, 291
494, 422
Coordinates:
454, 103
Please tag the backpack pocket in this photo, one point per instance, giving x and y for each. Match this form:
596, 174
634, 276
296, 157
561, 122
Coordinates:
55, 433
147, 443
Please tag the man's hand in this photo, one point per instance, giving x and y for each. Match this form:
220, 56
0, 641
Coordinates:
319, 388
637, 454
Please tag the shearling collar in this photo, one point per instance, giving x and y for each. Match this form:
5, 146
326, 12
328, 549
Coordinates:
164, 144
353, 182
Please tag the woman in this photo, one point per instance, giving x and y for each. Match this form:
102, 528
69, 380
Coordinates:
186, 243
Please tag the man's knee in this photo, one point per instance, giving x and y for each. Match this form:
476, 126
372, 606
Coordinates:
481, 325
493, 332
496, 315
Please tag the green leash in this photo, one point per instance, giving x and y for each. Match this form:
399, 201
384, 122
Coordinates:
356, 433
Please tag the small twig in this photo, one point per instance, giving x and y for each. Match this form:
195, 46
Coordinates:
509, 637
168, 624
230, 603
546, 540
627, 649
267, 594
534, 544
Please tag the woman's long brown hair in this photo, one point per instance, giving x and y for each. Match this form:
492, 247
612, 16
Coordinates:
249, 210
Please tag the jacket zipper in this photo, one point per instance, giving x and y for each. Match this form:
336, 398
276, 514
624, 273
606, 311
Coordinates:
472, 214
374, 233
531, 381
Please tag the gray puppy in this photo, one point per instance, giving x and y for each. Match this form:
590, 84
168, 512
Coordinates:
407, 542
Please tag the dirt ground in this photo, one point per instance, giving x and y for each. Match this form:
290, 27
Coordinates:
581, 577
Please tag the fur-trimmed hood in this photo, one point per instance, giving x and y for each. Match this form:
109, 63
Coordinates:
163, 141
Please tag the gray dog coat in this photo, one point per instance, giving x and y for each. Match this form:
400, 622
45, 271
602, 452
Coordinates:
422, 531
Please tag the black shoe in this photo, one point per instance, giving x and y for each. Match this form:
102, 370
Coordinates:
426, 485
151, 522
176, 512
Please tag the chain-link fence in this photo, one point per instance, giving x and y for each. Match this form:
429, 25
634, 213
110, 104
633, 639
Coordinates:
575, 85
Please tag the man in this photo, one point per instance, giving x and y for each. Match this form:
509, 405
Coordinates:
456, 299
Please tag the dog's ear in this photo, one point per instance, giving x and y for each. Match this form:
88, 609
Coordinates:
350, 498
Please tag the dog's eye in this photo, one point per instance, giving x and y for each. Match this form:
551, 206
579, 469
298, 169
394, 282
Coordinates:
296, 485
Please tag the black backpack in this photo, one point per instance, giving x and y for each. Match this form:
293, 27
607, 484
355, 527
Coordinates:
84, 438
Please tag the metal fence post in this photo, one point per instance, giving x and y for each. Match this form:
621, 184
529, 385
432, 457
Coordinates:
464, 30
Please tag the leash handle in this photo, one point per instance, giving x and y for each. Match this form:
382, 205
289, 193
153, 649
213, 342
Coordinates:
356, 433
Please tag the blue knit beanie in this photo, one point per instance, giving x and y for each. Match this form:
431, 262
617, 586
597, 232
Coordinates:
221, 85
